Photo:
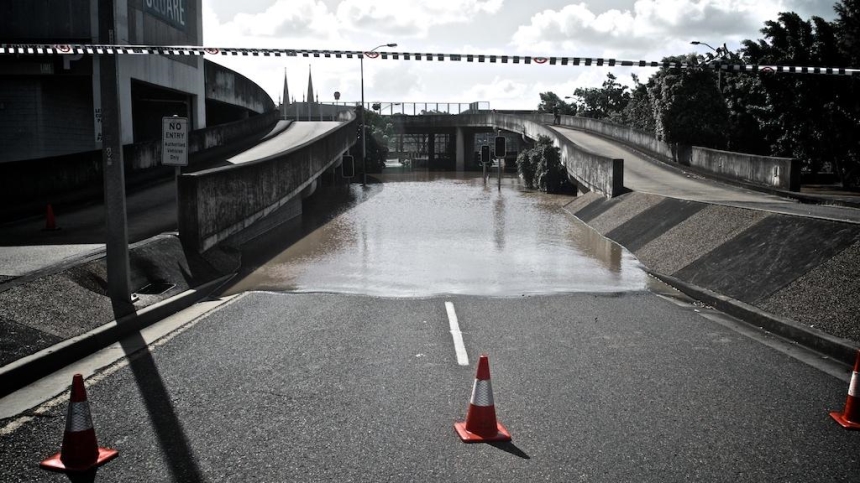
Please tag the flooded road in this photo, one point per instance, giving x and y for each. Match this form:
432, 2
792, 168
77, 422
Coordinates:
421, 235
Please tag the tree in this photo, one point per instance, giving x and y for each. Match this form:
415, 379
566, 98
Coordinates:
541, 167
688, 107
606, 102
809, 117
377, 150
639, 113
549, 101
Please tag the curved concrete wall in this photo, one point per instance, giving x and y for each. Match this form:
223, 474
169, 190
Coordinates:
218, 203
595, 172
230, 87
767, 171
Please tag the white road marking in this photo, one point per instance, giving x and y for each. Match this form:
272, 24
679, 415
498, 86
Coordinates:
459, 347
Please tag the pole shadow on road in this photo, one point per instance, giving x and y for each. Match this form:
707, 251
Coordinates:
172, 440
511, 448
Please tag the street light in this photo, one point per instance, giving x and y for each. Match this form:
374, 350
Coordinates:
720, 54
363, 128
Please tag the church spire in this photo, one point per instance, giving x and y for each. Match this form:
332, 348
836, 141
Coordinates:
310, 85
286, 96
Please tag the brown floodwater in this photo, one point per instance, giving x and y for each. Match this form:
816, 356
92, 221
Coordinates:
426, 234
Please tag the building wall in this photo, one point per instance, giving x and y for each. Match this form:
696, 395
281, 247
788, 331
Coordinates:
147, 22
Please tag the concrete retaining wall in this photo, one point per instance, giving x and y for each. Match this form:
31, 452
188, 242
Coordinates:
229, 87
780, 173
218, 203
595, 172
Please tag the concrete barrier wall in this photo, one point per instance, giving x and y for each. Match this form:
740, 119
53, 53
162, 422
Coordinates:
780, 173
595, 172
746, 168
230, 87
26, 186
148, 155
218, 203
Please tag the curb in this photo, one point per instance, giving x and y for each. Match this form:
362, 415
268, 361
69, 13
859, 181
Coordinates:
836, 348
29, 369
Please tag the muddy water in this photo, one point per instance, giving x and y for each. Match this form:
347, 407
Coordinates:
417, 235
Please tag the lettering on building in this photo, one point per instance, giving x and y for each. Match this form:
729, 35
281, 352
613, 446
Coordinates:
173, 11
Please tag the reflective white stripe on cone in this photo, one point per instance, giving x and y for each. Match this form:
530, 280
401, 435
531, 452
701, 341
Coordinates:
80, 451
481, 425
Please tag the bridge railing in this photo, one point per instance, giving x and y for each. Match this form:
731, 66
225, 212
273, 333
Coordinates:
218, 203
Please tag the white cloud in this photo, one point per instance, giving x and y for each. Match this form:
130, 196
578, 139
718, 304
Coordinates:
648, 25
412, 18
294, 20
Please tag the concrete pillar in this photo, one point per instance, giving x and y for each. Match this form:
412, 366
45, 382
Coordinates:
461, 149
431, 150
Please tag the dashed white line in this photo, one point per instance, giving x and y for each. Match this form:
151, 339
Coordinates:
459, 347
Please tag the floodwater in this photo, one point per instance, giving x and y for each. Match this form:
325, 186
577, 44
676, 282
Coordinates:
420, 235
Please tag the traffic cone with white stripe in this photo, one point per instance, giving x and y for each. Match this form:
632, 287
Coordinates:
481, 425
850, 417
79, 451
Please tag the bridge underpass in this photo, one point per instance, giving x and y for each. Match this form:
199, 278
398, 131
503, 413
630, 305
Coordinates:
291, 366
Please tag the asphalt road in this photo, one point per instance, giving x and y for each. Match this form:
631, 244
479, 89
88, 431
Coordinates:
323, 387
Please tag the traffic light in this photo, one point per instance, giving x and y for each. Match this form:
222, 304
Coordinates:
485, 154
348, 166
500, 147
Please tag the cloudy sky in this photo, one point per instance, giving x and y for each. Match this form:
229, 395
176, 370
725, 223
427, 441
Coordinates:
622, 29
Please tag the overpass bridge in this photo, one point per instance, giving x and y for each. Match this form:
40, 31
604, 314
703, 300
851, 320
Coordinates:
609, 160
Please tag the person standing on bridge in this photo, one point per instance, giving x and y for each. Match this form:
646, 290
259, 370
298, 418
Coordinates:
556, 116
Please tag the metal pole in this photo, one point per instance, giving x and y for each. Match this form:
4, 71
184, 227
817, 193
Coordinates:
363, 129
116, 223
499, 161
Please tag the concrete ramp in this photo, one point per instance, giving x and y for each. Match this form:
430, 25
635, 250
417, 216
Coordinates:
247, 196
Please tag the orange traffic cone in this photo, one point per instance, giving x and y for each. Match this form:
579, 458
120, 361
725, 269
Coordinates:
50, 221
481, 425
850, 417
79, 451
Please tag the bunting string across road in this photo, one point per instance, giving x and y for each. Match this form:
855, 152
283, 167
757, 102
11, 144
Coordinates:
190, 50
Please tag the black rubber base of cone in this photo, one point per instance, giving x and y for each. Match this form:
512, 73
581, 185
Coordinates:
54, 463
502, 434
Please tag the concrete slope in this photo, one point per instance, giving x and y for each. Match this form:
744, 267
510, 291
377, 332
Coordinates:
646, 176
796, 268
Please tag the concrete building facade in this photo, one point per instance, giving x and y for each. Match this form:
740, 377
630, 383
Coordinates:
50, 105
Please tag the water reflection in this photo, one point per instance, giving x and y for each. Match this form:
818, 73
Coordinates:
438, 234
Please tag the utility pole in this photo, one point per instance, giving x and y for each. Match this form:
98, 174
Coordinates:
116, 225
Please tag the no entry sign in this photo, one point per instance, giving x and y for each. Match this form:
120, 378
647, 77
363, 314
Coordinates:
174, 141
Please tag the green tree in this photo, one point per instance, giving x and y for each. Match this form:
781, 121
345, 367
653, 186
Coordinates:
605, 102
639, 113
540, 166
549, 101
688, 107
809, 117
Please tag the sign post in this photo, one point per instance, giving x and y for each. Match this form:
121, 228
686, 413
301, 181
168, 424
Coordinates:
174, 148
500, 148
485, 161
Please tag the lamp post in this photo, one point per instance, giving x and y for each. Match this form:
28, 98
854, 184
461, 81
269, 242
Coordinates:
363, 127
720, 54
